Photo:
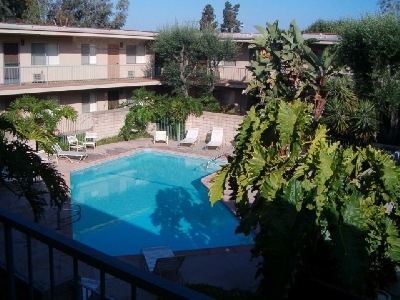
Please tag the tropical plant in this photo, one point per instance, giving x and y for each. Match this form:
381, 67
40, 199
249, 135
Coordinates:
347, 116
36, 119
148, 107
20, 167
286, 67
321, 212
370, 47
386, 96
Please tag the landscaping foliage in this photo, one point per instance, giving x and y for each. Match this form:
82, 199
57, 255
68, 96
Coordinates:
320, 211
29, 118
190, 57
370, 46
147, 107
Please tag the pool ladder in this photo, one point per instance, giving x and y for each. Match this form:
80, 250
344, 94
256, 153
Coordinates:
72, 214
218, 156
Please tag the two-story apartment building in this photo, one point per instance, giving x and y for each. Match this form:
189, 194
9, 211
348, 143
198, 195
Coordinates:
97, 69
89, 69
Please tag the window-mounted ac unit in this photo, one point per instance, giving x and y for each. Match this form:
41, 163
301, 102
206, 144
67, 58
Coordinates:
131, 74
38, 78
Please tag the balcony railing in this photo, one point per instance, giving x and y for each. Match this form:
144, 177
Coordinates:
39, 75
20, 236
234, 74
86, 74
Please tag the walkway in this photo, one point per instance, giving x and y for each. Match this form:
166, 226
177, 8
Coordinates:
229, 268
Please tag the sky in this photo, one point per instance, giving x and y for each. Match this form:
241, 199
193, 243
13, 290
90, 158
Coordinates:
154, 15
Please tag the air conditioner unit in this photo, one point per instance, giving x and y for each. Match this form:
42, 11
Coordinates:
38, 78
131, 74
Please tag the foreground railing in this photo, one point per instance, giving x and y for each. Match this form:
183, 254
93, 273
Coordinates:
78, 253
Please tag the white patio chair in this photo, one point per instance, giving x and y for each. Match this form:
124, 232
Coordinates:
160, 136
217, 135
90, 140
163, 262
191, 137
74, 143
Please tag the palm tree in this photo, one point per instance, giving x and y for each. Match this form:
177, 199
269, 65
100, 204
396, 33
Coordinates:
20, 168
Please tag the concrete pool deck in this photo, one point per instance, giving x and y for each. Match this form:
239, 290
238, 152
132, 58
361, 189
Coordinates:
227, 267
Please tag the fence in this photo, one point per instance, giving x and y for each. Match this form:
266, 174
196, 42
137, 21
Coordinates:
73, 254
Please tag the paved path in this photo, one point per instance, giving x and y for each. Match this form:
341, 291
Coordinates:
228, 267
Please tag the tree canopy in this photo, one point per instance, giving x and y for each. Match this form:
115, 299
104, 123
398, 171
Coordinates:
208, 18
11, 10
81, 13
389, 6
230, 22
326, 26
190, 57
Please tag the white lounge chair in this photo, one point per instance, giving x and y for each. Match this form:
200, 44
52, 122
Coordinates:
217, 135
90, 140
160, 136
191, 137
80, 155
163, 262
74, 143
46, 157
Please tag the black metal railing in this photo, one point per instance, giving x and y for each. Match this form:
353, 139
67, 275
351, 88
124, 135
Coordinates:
78, 253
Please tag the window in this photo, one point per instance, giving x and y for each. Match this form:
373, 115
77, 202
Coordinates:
44, 54
252, 54
229, 63
88, 54
135, 54
89, 103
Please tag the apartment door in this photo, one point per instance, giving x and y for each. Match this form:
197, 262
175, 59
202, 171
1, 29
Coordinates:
113, 99
113, 61
11, 63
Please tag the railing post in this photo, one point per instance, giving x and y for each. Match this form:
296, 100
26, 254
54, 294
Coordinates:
77, 289
30, 270
9, 261
51, 272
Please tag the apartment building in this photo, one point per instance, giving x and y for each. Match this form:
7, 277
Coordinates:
89, 69
96, 69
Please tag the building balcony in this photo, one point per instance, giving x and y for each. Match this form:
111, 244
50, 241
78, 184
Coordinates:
15, 80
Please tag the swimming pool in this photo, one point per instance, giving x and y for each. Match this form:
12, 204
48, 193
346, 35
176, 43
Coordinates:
150, 198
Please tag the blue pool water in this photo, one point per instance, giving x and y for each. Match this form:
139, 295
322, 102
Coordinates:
148, 199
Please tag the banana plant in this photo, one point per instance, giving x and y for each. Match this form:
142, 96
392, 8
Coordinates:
320, 211
286, 67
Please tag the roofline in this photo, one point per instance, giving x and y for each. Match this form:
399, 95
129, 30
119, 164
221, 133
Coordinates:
48, 30
45, 30
321, 38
